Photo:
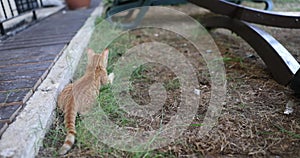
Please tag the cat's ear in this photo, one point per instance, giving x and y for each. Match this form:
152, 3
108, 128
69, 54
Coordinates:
104, 58
90, 54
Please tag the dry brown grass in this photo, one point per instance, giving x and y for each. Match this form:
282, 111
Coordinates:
252, 123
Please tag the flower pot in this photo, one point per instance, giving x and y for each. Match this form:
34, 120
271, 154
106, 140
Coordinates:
77, 4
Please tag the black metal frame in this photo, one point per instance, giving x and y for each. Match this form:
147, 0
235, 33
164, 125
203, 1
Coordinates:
283, 66
237, 18
26, 5
22, 6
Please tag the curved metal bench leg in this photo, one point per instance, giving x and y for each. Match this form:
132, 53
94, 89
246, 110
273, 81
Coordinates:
280, 62
295, 83
235, 1
250, 15
268, 3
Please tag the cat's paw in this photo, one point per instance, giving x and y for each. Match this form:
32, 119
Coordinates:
111, 77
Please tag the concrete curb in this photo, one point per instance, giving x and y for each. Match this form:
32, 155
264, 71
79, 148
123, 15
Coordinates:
23, 138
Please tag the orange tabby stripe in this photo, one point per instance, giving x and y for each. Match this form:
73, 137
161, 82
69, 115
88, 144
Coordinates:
72, 132
68, 142
70, 125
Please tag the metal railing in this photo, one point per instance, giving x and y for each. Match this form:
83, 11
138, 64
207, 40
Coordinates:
10, 9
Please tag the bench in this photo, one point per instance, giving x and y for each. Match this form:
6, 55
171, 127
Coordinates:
121, 5
238, 18
118, 6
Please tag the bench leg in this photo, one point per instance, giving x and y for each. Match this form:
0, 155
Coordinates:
268, 3
279, 61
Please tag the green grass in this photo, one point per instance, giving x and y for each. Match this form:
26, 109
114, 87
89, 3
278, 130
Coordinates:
100, 40
242, 105
172, 84
107, 2
286, 1
110, 106
86, 140
138, 72
196, 125
152, 155
55, 136
279, 5
232, 59
99, 20
292, 134
264, 133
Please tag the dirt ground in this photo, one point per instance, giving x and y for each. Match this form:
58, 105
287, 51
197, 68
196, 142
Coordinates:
252, 123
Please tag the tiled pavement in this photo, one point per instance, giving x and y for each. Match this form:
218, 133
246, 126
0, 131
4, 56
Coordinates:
26, 58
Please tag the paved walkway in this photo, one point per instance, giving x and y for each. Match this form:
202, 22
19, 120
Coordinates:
26, 58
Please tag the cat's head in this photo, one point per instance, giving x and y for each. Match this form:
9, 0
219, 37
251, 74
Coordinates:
97, 61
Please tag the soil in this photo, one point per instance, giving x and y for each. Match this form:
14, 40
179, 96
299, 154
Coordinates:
251, 124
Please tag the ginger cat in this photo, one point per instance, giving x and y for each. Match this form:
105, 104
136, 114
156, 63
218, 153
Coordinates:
81, 95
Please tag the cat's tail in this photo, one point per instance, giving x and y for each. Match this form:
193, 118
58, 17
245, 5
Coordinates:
69, 117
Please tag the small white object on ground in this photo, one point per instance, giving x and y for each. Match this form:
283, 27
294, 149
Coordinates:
197, 91
208, 51
111, 77
289, 107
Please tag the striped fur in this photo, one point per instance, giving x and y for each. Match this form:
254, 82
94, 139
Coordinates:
81, 95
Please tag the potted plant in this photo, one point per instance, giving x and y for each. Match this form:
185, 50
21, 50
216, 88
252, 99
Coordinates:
77, 4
